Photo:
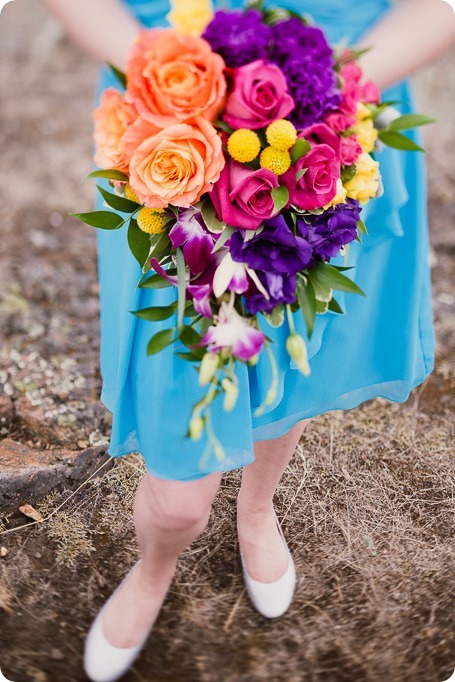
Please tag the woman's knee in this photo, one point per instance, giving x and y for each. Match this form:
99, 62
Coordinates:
178, 505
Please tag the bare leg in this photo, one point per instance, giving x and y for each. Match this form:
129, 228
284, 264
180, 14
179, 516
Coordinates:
261, 544
168, 516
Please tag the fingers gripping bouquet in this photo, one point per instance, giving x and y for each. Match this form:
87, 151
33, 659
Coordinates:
239, 161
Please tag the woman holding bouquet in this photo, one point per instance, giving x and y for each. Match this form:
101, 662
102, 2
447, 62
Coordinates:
383, 346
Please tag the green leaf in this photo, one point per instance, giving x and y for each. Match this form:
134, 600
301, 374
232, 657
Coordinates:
222, 125
181, 286
348, 172
120, 76
300, 173
398, 141
160, 244
155, 282
191, 357
189, 336
222, 239
139, 242
299, 149
280, 196
156, 313
109, 174
408, 121
335, 307
160, 340
328, 276
210, 219
307, 303
118, 203
362, 227
105, 220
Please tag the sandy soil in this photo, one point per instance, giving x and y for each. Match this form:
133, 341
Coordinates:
367, 502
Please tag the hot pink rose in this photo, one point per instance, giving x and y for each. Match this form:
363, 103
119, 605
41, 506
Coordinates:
318, 185
320, 133
243, 197
370, 93
351, 72
340, 121
259, 97
350, 150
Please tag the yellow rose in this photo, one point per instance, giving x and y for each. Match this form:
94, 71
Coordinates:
340, 196
364, 128
190, 16
365, 183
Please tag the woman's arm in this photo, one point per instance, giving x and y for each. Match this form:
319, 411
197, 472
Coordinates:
410, 36
103, 28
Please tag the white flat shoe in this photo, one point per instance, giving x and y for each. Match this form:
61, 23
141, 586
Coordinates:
272, 599
104, 662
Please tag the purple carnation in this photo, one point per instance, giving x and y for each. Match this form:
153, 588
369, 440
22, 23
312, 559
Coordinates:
275, 249
331, 230
239, 37
280, 288
313, 86
292, 37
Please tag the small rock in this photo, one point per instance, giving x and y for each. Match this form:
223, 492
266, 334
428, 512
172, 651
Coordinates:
57, 655
31, 512
3, 551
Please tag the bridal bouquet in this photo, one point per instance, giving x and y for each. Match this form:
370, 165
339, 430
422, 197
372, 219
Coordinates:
239, 161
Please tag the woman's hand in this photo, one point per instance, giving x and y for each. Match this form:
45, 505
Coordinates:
411, 35
102, 28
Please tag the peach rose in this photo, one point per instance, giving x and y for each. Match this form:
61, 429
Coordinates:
112, 118
173, 78
177, 165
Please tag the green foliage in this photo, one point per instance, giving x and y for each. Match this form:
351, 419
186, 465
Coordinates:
280, 196
398, 141
109, 174
299, 149
104, 220
139, 242
118, 203
160, 340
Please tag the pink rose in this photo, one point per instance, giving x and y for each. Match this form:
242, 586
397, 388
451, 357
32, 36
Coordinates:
350, 150
370, 93
318, 185
259, 97
243, 197
340, 121
351, 73
320, 133
352, 94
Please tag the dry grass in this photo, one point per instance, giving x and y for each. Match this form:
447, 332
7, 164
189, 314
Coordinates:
367, 507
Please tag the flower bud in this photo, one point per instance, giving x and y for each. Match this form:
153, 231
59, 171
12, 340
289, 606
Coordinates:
253, 360
209, 364
196, 428
296, 347
231, 393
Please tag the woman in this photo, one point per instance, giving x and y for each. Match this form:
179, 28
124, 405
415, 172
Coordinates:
383, 346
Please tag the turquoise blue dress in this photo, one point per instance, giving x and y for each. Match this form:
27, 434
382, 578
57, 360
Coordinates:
382, 346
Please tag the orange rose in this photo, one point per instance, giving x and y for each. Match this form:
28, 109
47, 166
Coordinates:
173, 78
112, 118
177, 165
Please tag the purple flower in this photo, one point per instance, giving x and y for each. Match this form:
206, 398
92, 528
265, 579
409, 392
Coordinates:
280, 289
239, 37
313, 87
276, 249
235, 332
292, 37
306, 59
197, 242
330, 230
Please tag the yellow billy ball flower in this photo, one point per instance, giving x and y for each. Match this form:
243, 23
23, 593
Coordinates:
244, 145
281, 134
275, 160
364, 128
151, 220
131, 194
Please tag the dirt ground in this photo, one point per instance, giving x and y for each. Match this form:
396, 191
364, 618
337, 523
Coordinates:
366, 503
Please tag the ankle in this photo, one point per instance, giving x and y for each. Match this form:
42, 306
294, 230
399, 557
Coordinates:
253, 508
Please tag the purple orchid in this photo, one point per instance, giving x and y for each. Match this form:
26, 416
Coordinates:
235, 332
190, 233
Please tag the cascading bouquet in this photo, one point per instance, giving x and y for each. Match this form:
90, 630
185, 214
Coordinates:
240, 162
